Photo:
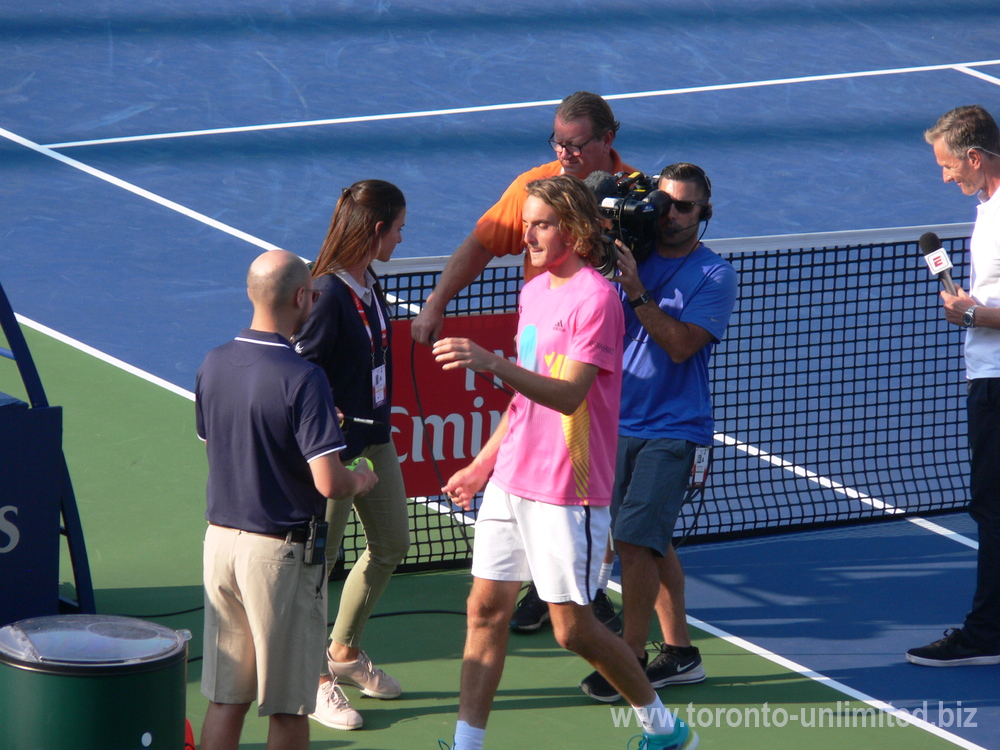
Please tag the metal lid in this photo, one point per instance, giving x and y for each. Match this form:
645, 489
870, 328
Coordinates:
89, 639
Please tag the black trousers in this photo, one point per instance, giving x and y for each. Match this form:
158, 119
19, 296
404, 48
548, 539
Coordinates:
982, 624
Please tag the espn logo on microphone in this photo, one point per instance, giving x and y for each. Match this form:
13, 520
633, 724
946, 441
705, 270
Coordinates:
938, 261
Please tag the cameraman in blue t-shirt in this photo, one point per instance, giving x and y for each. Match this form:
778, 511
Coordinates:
677, 306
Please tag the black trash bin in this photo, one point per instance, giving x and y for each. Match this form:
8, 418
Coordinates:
92, 681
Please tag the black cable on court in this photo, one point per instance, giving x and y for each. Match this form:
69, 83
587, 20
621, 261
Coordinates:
689, 496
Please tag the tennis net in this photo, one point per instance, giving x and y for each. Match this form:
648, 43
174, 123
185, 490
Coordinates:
839, 389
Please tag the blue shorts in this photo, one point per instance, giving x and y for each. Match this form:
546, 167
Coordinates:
651, 480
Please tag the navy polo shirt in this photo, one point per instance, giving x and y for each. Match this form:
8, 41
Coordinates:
335, 338
264, 413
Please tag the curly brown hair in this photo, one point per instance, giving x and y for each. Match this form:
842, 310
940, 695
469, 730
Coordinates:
576, 208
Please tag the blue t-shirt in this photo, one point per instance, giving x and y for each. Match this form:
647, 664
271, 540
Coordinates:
660, 398
264, 413
336, 338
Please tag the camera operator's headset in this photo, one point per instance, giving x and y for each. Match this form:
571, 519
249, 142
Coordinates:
706, 210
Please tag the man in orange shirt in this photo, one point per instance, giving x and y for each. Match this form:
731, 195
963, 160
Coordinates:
582, 135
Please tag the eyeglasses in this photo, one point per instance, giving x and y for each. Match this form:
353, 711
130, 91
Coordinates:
569, 148
683, 207
314, 292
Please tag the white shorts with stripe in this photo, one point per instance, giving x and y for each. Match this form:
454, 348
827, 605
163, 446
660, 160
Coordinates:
559, 547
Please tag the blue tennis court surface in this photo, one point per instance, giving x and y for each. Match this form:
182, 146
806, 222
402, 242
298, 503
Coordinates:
149, 151
847, 603
808, 117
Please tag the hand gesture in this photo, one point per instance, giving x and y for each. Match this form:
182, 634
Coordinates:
363, 472
426, 327
453, 353
464, 484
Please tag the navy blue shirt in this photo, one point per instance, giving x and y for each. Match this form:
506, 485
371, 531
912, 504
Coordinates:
335, 338
264, 413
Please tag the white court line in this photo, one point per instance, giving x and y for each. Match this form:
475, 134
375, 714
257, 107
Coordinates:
841, 489
962, 67
457, 514
977, 74
86, 349
835, 684
141, 192
954, 536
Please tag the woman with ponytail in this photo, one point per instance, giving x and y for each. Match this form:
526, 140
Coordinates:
349, 335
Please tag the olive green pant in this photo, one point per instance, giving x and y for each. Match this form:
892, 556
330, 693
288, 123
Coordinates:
384, 516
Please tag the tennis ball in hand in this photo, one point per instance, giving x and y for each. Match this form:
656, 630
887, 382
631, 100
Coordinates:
352, 465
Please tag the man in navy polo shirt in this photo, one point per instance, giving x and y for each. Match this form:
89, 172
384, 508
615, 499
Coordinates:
273, 441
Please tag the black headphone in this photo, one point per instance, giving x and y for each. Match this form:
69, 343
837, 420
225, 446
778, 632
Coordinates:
706, 210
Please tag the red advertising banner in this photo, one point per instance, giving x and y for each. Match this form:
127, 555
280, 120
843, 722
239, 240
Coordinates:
460, 408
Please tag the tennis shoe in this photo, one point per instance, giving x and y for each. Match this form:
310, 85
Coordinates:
600, 689
682, 738
954, 650
604, 611
365, 676
531, 612
676, 665
333, 709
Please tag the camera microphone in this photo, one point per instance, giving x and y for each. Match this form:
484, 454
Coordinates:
602, 184
937, 260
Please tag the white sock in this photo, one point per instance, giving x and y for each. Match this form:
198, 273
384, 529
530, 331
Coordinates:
655, 718
605, 576
468, 738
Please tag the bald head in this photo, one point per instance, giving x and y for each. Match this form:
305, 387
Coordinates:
274, 278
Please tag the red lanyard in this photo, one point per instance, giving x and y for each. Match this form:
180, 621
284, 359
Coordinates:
368, 328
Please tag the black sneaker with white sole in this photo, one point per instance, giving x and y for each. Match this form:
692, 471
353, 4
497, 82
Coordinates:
954, 650
531, 612
604, 611
600, 689
676, 665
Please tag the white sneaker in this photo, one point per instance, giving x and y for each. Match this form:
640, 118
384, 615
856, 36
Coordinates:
362, 674
333, 709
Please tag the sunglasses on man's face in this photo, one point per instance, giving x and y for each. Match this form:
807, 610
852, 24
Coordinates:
683, 207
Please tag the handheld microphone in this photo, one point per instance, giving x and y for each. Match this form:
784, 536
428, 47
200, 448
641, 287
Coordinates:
937, 260
360, 420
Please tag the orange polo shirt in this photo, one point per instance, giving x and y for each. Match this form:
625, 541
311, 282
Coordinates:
500, 230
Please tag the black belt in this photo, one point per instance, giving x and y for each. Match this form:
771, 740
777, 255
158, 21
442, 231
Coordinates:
297, 535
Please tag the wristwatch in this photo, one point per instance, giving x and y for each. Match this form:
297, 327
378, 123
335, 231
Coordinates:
642, 299
969, 317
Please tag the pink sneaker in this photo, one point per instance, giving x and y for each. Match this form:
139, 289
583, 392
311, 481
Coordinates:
333, 709
362, 674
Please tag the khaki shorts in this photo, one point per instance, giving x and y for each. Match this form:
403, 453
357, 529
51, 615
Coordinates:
559, 547
265, 623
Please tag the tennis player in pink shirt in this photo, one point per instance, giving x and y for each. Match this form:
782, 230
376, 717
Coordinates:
549, 466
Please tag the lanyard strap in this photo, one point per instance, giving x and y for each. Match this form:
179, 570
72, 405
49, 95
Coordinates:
368, 328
